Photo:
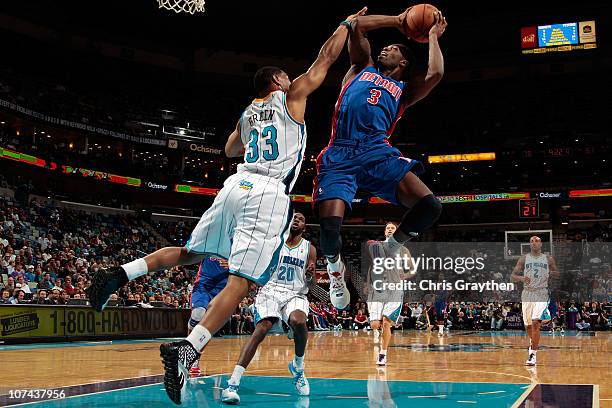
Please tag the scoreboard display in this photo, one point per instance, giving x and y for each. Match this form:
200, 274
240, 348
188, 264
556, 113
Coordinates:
558, 37
529, 208
557, 34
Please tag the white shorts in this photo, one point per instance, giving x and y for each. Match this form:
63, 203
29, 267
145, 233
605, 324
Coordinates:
246, 225
391, 310
272, 302
535, 311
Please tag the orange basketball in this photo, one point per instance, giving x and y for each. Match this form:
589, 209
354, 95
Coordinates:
418, 21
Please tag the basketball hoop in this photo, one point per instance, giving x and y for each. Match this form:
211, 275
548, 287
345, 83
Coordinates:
183, 6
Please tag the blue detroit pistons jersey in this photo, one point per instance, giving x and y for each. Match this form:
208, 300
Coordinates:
211, 280
368, 108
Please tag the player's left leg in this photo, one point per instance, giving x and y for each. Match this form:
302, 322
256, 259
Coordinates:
178, 356
295, 313
297, 322
197, 314
394, 178
386, 340
230, 394
375, 325
424, 208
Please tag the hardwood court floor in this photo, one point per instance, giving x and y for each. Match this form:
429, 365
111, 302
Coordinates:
466, 357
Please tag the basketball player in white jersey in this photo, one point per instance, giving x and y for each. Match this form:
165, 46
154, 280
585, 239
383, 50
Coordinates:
537, 267
248, 221
385, 305
283, 297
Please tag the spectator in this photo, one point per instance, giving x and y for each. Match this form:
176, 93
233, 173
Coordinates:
29, 274
18, 297
46, 282
41, 298
21, 284
54, 297
360, 321
346, 320
582, 324
68, 286
6, 297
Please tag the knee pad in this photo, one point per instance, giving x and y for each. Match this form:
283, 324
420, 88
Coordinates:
197, 315
331, 242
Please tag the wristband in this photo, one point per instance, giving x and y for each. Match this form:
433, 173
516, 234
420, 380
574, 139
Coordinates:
348, 25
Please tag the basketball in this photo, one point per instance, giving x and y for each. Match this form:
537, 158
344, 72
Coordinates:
419, 19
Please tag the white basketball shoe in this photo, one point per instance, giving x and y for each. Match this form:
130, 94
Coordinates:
339, 294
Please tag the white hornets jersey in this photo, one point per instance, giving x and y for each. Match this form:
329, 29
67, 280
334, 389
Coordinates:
536, 268
291, 270
274, 141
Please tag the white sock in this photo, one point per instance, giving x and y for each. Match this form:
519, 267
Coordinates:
441, 328
135, 268
299, 362
335, 266
383, 352
199, 337
236, 375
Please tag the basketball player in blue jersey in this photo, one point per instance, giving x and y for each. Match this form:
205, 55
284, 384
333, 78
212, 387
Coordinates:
537, 268
249, 219
373, 99
283, 297
210, 280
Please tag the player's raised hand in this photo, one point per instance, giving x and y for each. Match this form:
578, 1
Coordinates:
439, 25
361, 12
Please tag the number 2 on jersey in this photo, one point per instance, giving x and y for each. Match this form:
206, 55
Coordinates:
269, 135
374, 96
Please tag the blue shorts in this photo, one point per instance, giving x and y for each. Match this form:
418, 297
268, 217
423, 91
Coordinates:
201, 297
344, 167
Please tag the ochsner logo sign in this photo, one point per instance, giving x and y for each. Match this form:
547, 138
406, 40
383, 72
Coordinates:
550, 195
156, 186
194, 147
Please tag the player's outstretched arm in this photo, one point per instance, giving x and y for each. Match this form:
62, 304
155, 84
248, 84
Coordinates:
360, 52
234, 146
515, 277
308, 82
419, 87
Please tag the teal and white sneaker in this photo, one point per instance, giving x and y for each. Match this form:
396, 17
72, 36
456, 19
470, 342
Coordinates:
299, 379
230, 395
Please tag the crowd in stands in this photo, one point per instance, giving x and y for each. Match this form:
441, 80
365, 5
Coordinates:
48, 253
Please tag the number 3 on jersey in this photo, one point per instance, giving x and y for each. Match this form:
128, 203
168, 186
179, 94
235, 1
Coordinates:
269, 135
374, 96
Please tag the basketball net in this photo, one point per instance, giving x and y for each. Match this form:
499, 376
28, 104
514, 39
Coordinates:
183, 6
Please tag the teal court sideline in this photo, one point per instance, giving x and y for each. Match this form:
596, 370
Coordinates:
265, 391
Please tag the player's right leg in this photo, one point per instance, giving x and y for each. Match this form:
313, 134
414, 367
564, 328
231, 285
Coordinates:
212, 224
230, 395
527, 310
334, 188
107, 281
331, 214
